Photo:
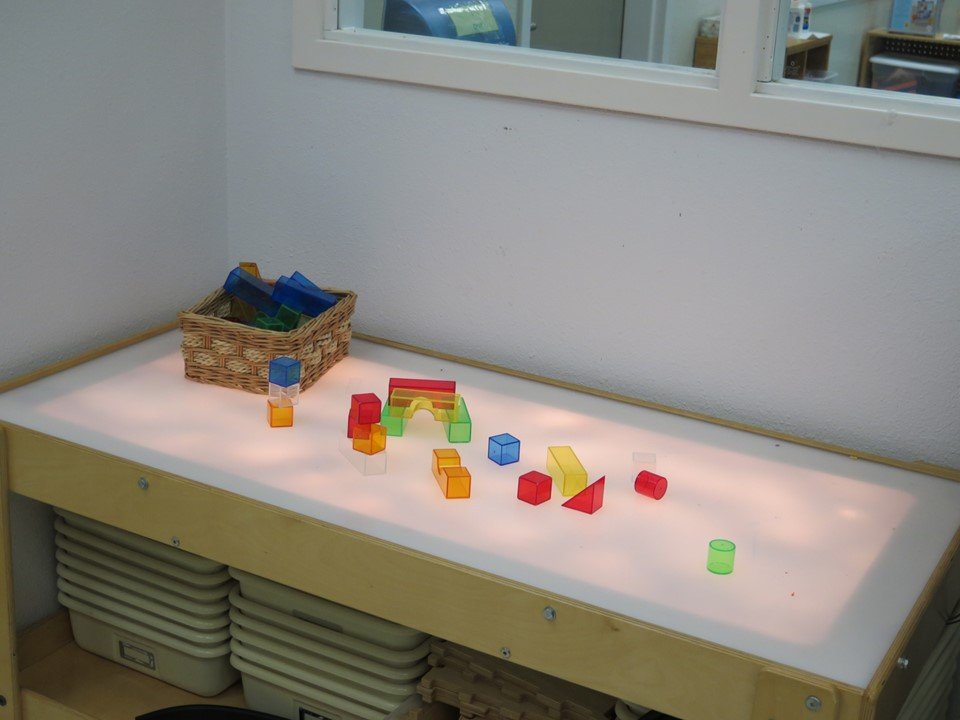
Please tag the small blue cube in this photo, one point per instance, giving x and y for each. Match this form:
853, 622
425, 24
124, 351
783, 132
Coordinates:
503, 449
284, 371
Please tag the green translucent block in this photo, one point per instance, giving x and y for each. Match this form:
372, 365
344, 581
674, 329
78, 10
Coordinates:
459, 430
393, 423
288, 318
267, 323
720, 557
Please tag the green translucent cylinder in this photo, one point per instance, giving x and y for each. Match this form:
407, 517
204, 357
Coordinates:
720, 557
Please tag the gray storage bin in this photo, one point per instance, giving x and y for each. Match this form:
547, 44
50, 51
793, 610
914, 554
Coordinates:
142, 545
361, 648
324, 681
205, 671
271, 692
322, 667
154, 579
198, 615
121, 610
327, 614
163, 567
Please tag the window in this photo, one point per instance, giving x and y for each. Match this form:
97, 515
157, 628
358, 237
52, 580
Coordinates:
639, 56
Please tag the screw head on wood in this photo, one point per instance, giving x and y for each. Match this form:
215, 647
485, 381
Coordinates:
504, 652
813, 703
143, 483
549, 613
175, 541
903, 663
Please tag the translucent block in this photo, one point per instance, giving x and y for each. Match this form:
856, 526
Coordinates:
288, 317
534, 487
503, 449
243, 310
306, 300
564, 467
363, 463
445, 386
251, 267
443, 458
366, 407
720, 555
443, 406
650, 484
279, 392
369, 439
279, 413
302, 279
461, 429
645, 461
455, 482
284, 371
394, 425
590, 499
251, 290
265, 322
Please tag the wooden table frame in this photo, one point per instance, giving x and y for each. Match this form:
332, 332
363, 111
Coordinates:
678, 674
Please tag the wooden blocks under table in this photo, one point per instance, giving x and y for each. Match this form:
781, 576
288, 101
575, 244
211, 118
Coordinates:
481, 686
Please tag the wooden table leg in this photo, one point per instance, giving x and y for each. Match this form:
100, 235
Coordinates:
9, 687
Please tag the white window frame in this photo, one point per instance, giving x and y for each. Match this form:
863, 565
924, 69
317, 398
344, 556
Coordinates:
745, 91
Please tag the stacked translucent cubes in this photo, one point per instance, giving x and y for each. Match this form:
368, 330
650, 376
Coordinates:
303, 656
146, 605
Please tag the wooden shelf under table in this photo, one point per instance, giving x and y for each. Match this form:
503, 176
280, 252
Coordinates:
61, 681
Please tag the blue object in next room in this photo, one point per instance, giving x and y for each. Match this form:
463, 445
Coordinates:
486, 21
503, 449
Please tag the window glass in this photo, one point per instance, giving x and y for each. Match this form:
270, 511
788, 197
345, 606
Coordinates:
674, 32
903, 46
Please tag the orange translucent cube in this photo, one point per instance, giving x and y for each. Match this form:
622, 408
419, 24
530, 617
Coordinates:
369, 438
280, 412
455, 482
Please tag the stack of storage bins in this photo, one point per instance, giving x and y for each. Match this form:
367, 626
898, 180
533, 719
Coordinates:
145, 605
301, 656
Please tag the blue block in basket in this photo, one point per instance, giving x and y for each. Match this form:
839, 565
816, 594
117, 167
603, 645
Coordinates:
252, 290
306, 300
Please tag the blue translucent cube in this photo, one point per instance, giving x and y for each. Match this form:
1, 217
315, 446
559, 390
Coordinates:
307, 300
284, 371
299, 277
503, 449
252, 290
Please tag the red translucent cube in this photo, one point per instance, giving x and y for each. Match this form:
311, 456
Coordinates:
365, 408
534, 487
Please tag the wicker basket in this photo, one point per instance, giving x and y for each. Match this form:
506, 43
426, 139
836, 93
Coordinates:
230, 354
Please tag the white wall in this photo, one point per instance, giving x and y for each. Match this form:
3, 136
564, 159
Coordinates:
803, 286
112, 192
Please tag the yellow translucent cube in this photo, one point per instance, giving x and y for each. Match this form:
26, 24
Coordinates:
443, 406
447, 457
370, 439
455, 483
564, 467
280, 412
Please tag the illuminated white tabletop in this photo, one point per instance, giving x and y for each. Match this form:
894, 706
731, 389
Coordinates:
831, 552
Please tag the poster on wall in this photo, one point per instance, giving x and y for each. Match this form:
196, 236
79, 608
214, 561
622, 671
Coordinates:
917, 17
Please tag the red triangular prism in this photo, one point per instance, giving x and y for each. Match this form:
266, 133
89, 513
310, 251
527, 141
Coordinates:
588, 500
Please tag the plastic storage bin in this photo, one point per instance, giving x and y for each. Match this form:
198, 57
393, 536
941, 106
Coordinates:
273, 692
318, 611
145, 605
249, 613
905, 74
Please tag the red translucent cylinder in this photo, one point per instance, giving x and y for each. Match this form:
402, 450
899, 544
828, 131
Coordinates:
650, 484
